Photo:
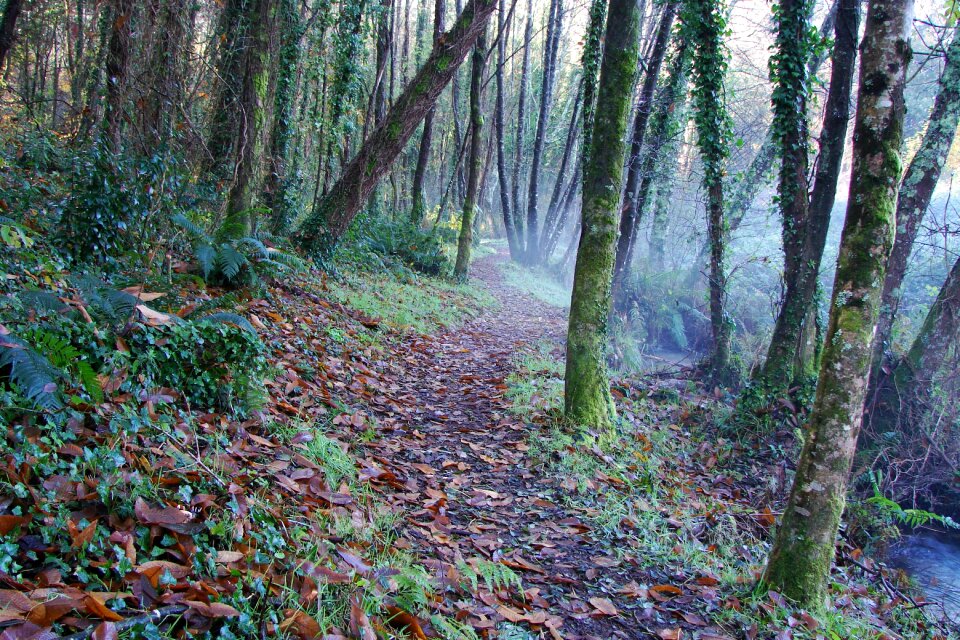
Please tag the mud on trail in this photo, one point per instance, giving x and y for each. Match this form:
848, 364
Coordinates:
469, 487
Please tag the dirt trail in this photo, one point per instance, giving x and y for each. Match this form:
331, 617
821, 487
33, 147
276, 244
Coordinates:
461, 454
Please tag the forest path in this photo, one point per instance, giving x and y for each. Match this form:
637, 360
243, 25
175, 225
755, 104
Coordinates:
471, 489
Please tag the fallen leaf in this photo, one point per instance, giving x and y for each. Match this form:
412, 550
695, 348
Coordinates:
604, 606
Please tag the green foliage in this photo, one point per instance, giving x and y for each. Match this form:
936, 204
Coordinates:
116, 204
216, 361
494, 575
911, 517
401, 245
239, 261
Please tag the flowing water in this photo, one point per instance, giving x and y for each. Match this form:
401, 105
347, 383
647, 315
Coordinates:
932, 559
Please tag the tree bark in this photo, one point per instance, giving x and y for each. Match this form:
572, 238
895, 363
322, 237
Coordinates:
633, 208
346, 197
118, 70
254, 117
540, 138
419, 208
552, 219
506, 205
704, 26
916, 190
799, 564
475, 163
806, 221
592, 54
521, 127
8, 28
587, 398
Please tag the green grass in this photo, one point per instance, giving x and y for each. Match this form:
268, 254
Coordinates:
421, 303
540, 284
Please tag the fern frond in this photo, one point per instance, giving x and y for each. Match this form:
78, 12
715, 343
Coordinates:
227, 301
495, 575
64, 356
207, 257
42, 301
453, 629
255, 245
287, 259
229, 261
191, 228
228, 318
31, 373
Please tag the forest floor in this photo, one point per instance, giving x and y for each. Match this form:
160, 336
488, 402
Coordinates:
408, 474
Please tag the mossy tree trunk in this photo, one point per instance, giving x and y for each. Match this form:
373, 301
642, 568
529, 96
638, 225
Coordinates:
805, 222
799, 564
372, 161
554, 217
253, 121
917, 189
704, 25
419, 208
117, 70
475, 162
592, 54
587, 396
633, 207
520, 137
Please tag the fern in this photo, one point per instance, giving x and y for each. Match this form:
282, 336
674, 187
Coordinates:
228, 318
913, 518
33, 374
453, 629
207, 307
495, 575
114, 306
414, 589
42, 301
229, 261
64, 356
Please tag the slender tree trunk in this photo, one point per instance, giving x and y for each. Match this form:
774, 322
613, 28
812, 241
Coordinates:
375, 156
799, 565
506, 206
8, 28
519, 142
255, 111
804, 231
118, 70
552, 219
563, 208
543, 121
587, 398
633, 208
917, 188
475, 162
419, 208
704, 27
278, 192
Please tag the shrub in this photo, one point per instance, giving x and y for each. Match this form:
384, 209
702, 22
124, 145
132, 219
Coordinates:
216, 362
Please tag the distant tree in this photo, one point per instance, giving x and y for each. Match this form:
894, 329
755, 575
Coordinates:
475, 161
335, 212
802, 554
587, 398
419, 207
916, 190
117, 70
499, 116
8, 28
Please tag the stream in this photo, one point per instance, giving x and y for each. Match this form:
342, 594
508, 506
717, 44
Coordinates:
932, 559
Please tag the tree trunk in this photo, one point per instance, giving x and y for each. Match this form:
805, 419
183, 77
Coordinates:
551, 220
8, 28
254, 117
475, 163
278, 193
704, 27
587, 398
118, 70
506, 206
419, 208
805, 228
592, 54
543, 120
904, 395
799, 565
633, 208
917, 188
386, 142
521, 127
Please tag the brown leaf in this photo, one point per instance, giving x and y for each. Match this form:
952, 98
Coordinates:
153, 515
105, 631
669, 634
213, 609
360, 625
324, 575
402, 620
604, 606
301, 624
354, 561
9, 523
100, 610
